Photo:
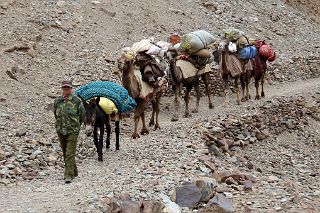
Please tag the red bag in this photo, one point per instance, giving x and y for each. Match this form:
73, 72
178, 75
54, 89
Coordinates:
267, 52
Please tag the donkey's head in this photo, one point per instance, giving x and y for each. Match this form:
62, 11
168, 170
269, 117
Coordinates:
90, 107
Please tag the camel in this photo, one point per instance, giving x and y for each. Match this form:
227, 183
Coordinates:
237, 69
130, 82
259, 70
178, 81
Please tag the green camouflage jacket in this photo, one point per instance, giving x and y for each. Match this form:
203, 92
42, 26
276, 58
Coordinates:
69, 114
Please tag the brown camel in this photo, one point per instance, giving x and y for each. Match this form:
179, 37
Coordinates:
130, 82
237, 69
259, 71
178, 81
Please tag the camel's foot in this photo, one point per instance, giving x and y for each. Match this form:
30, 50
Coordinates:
144, 131
238, 102
195, 111
262, 94
257, 97
100, 158
157, 126
135, 135
243, 99
151, 123
175, 118
187, 115
211, 106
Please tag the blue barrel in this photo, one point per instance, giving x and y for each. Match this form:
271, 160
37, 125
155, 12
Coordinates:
247, 52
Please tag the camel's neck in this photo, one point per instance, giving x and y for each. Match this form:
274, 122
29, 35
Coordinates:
129, 80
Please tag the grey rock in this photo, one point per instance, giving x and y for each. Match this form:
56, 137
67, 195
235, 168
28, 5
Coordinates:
188, 195
219, 204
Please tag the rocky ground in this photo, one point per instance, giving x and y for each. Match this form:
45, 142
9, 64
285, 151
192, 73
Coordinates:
267, 166
282, 167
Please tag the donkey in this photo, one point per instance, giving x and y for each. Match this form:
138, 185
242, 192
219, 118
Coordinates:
178, 81
96, 119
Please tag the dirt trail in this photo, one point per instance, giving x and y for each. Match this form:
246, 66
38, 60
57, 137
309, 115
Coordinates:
143, 168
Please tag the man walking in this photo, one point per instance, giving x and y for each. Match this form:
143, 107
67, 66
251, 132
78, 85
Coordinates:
69, 113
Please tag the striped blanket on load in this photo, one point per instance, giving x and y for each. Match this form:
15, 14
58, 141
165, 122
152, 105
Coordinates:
234, 65
116, 93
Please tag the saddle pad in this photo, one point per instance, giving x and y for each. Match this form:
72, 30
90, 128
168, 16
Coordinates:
189, 70
144, 88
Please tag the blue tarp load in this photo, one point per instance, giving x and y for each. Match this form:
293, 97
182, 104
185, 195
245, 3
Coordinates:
118, 94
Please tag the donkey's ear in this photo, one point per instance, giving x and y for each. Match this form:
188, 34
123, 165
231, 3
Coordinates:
97, 100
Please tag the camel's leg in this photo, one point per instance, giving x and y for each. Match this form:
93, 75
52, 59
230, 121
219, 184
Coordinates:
256, 83
243, 79
144, 129
137, 113
262, 85
176, 89
157, 108
206, 80
108, 126
236, 84
249, 75
153, 103
226, 89
198, 94
187, 99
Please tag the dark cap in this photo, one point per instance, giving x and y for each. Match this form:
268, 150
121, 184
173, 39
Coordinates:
66, 84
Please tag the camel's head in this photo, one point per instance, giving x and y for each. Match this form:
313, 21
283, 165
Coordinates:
127, 54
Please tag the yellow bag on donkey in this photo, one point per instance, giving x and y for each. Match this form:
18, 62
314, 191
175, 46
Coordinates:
107, 105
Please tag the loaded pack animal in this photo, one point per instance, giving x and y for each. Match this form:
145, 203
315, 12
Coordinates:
132, 84
178, 81
257, 70
233, 67
96, 121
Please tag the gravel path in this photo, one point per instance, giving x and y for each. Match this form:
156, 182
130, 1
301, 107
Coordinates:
143, 168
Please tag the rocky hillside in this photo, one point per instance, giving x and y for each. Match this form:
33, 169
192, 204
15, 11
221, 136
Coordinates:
45, 42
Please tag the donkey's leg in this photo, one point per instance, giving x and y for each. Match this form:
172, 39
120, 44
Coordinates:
176, 89
144, 129
197, 89
226, 89
100, 143
117, 134
157, 108
153, 103
262, 85
206, 80
95, 136
187, 99
236, 84
108, 126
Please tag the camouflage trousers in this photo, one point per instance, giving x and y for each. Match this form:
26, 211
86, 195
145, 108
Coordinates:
68, 145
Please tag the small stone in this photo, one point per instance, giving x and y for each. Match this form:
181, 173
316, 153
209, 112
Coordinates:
37, 152
221, 189
96, 2
21, 133
247, 185
10, 166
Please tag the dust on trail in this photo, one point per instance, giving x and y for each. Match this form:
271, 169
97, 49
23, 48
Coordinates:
144, 167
